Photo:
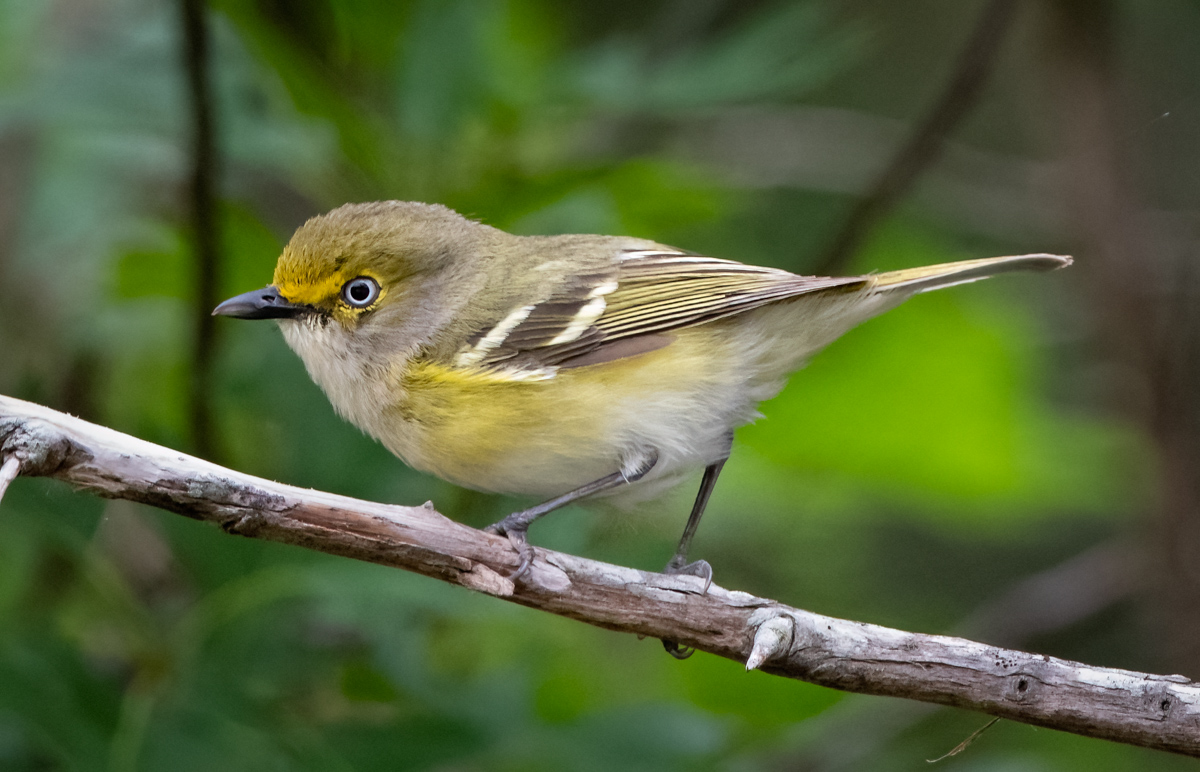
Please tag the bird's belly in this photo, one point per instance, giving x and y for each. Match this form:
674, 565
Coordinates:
483, 430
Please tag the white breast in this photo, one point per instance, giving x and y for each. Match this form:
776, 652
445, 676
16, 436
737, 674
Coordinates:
357, 389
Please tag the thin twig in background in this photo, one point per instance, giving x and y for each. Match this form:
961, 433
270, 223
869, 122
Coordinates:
1152, 711
202, 195
1141, 315
975, 64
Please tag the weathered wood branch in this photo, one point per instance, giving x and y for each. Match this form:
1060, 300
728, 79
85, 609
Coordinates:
1154, 711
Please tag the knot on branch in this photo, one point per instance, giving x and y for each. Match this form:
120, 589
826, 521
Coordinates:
772, 638
41, 449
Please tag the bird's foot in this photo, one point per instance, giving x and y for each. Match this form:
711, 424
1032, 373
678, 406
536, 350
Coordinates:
516, 533
677, 651
700, 568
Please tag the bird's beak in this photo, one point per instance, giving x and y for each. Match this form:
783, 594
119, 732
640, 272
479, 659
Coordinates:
260, 304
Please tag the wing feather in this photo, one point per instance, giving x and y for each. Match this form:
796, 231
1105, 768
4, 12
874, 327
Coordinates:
645, 293
627, 307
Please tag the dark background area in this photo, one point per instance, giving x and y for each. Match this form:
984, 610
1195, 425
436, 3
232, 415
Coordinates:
1014, 461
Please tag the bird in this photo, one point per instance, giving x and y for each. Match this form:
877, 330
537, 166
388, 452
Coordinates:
564, 366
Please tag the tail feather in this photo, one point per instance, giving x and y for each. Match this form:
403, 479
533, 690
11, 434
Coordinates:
933, 277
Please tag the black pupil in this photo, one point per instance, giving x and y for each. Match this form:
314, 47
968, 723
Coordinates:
360, 291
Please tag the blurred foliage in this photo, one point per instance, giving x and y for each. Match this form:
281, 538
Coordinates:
916, 470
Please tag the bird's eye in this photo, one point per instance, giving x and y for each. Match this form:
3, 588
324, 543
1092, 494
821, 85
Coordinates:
360, 292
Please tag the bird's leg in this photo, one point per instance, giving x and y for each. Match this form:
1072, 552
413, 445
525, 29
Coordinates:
678, 563
517, 524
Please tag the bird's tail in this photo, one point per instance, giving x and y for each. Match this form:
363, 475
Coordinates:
931, 277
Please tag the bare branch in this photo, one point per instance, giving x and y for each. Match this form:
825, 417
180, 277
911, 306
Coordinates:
846, 736
1154, 711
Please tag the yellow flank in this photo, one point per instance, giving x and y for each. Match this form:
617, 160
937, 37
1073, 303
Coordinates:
471, 419
486, 429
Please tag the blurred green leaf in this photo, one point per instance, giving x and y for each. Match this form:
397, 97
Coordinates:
782, 51
362, 683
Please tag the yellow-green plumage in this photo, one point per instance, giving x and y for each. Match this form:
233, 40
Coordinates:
536, 365
482, 429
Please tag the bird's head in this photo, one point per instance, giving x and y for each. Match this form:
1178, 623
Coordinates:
362, 288
353, 263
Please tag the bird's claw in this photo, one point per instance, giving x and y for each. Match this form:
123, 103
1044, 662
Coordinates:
677, 651
516, 537
699, 568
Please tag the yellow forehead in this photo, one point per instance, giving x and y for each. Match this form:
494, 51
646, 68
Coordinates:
302, 279
309, 290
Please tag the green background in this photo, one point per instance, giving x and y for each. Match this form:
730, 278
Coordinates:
1010, 460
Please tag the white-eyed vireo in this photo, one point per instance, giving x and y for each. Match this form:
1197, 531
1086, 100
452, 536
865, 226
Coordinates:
556, 366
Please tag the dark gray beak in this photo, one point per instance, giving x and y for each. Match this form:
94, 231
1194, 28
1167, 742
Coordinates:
259, 304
